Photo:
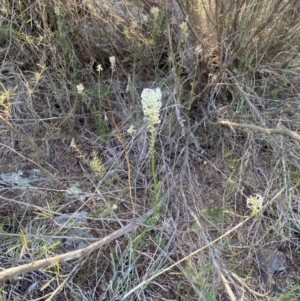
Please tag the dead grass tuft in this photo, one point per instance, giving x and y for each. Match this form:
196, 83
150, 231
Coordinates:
76, 165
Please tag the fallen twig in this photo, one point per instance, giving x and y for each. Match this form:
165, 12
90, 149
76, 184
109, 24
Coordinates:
212, 257
39, 264
145, 282
283, 132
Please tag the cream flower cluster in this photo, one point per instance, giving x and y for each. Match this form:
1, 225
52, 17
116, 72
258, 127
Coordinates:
112, 60
151, 103
255, 203
80, 88
154, 12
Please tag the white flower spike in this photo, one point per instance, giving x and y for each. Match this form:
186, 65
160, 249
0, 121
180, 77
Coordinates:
151, 103
80, 88
154, 12
112, 61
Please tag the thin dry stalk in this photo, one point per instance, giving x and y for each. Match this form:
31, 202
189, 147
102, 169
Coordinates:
67, 279
212, 257
185, 258
147, 281
120, 135
237, 52
177, 84
239, 279
26, 139
249, 102
36, 164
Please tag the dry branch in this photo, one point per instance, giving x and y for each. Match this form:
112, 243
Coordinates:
212, 257
283, 132
39, 264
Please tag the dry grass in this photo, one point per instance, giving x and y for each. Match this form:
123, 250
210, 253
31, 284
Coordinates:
229, 73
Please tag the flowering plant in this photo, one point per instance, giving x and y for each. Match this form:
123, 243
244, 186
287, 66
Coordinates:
80, 88
255, 203
151, 103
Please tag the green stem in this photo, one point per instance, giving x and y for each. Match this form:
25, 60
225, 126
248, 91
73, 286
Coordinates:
153, 170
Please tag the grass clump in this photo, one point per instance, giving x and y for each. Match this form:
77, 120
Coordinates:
211, 178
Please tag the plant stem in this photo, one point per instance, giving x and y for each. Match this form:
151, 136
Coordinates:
155, 184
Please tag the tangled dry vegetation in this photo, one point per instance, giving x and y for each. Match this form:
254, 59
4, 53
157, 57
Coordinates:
88, 211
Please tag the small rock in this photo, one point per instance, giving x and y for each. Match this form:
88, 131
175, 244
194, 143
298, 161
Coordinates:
20, 178
76, 230
271, 262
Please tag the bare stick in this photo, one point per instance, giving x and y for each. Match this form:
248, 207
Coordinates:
144, 282
249, 102
212, 257
283, 132
39, 264
245, 285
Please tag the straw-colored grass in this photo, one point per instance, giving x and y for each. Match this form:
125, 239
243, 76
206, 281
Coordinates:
97, 204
